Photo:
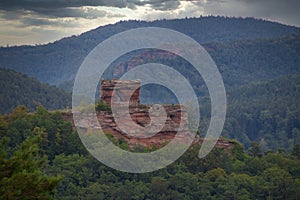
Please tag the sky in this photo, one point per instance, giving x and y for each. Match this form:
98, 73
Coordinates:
30, 22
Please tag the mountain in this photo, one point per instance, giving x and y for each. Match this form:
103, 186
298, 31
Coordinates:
58, 62
240, 62
19, 89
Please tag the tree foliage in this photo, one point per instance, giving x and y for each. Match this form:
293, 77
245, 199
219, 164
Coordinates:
19, 89
21, 175
222, 174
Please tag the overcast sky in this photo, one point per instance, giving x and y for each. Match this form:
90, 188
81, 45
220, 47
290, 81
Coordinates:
43, 21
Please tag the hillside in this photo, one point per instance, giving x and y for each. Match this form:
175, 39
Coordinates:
58, 62
19, 89
265, 112
243, 62
222, 174
240, 62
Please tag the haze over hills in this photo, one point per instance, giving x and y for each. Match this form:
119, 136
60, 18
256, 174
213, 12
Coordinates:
58, 62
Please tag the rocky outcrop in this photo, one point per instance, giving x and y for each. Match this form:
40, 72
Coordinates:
140, 131
140, 116
137, 124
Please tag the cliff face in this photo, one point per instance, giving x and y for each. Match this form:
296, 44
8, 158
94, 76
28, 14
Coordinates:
140, 116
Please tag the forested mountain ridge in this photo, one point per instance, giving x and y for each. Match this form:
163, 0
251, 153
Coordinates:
247, 61
58, 62
266, 112
19, 89
240, 62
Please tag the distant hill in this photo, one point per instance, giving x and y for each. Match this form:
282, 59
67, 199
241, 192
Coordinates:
19, 89
240, 62
58, 62
246, 61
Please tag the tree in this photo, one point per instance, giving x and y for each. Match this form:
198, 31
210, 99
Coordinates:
278, 183
296, 151
255, 149
21, 175
159, 187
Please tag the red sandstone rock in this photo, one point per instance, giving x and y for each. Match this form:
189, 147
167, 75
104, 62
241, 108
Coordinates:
139, 114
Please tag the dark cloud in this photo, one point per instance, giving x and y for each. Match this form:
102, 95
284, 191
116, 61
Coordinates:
285, 11
21, 9
274, 7
167, 5
284, 6
44, 5
157, 4
87, 13
38, 22
10, 15
51, 4
17, 9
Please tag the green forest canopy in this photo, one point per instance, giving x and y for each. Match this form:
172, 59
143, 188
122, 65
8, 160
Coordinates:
233, 174
19, 89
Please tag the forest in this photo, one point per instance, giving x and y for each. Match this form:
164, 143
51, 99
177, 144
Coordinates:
19, 89
266, 112
42, 157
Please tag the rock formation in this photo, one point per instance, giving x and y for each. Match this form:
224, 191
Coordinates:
123, 91
174, 123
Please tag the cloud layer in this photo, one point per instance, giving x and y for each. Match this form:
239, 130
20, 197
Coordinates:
77, 16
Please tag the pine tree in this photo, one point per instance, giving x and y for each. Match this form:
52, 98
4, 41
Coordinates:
21, 175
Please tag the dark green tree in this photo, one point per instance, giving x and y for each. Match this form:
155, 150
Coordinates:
296, 151
255, 149
21, 175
